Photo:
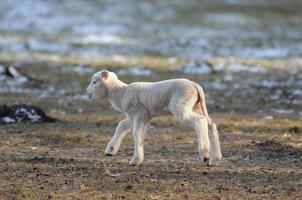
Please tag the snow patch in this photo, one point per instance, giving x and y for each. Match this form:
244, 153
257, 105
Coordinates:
2, 69
297, 92
98, 39
268, 117
142, 71
238, 67
22, 114
297, 102
12, 75
31, 114
195, 67
228, 77
40, 45
283, 111
80, 69
269, 83
269, 52
218, 85
7, 120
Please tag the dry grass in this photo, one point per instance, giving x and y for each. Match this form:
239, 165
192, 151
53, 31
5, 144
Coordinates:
65, 160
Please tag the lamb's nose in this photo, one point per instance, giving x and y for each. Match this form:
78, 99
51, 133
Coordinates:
87, 94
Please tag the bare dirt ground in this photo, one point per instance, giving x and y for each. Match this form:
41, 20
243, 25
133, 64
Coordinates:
262, 150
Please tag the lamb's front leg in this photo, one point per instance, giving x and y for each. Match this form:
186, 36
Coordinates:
123, 127
139, 124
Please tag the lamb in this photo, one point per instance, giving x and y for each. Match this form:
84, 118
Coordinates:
141, 101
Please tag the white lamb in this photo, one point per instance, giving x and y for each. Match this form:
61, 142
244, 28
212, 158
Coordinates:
141, 101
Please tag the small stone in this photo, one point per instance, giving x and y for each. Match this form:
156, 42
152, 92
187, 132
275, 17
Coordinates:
295, 129
129, 187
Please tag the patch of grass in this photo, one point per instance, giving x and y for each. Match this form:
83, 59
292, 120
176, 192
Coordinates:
65, 160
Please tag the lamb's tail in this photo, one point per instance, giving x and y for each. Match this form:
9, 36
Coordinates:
204, 110
213, 133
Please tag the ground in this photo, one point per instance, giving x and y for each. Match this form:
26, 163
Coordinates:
261, 149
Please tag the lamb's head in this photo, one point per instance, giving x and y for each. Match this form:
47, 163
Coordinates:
100, 82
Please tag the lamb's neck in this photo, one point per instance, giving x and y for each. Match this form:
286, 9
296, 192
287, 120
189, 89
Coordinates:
116, 92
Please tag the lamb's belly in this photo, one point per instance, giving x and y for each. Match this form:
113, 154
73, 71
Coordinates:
159, 111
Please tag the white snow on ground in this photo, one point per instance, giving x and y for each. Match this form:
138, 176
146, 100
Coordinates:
80, 69
228, 18
268, 117
269, 83
297, 92
40, 45
7, 120
297, 102
218, 85
23, 113
238, 67
283, 111
31, 114
194, 67
142, 71
298, 97
16, 79
263, 52
19, 90
98, 39
2, 69
88, 28
228, 77
274, 97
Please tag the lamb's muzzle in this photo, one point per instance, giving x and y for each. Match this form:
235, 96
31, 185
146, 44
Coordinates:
87, 94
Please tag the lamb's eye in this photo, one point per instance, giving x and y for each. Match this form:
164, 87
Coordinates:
94, 82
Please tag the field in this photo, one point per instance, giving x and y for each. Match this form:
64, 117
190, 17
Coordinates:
261, 143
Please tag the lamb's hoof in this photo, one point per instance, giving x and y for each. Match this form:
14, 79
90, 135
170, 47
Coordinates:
110, 151
135, 161
206, 161
204, 155
214, 162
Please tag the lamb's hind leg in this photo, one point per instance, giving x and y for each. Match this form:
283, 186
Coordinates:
200, 125
123, 127
215, 144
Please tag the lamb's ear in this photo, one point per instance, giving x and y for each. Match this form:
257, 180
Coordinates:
105, 75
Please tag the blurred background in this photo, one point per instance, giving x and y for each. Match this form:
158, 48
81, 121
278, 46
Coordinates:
187, 29
246, 54
234, 48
